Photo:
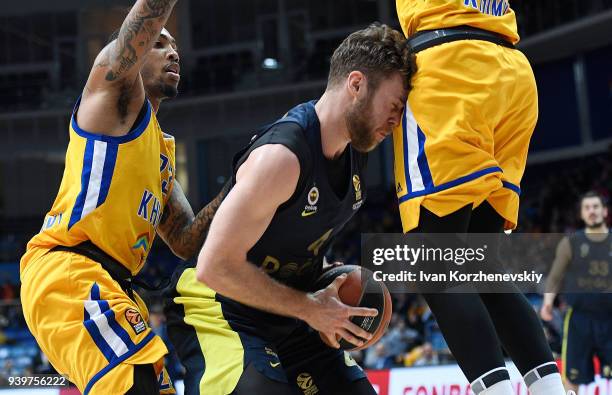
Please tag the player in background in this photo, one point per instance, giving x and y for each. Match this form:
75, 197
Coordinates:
246, 319
460, 154
117, 191
584, 260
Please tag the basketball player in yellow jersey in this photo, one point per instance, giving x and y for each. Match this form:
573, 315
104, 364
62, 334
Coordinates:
460, 154
117, 191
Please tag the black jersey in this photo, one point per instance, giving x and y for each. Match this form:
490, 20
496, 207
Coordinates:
292, 247
589, 274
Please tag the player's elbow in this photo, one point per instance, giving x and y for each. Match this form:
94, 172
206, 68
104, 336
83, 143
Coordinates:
202, 274
208, 271
182, 252
209, 277
205, 274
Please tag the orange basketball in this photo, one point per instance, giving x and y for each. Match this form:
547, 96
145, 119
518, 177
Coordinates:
360, 289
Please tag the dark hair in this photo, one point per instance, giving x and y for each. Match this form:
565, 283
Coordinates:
377, 51
593, 194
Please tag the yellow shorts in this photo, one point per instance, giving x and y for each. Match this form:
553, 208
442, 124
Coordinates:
465, 132
87, 325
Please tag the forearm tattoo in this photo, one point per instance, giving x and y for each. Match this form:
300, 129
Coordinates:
138, 30
183, 232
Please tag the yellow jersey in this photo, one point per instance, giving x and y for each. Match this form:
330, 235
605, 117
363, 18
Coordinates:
492, 15
113, 192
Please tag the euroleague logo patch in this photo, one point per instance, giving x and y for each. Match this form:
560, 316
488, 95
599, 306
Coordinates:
134, 318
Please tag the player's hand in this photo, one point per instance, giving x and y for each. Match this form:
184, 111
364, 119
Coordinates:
546, 312
331, 317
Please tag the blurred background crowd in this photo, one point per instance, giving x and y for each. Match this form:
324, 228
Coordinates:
247, 70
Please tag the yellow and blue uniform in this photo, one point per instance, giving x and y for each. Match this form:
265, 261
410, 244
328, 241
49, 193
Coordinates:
465, 133
112, 194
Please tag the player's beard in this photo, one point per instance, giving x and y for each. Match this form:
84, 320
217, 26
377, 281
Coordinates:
167, 91
358, 119
158, 88
595, 225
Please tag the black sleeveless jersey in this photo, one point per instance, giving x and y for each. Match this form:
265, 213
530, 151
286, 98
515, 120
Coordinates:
589, 275
292, 247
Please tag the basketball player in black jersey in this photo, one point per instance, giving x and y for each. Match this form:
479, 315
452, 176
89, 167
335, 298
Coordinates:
246, 320
584, 258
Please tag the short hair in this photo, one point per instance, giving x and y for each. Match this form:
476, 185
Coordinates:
593, 194
377, 51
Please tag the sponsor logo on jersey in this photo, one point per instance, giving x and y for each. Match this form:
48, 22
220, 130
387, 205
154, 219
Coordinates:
357, 186
489, 7
150, 208
313, 198
52, 220
306, 384
584, 250
269, 351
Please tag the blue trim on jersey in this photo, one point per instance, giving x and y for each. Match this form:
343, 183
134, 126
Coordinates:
96, 336
115, 326
117, 361
450, 184
161, 384
77, 210
95, 292
422, 160
110, 315
512, 187
405, 146
107, 173
93, 330
132, 135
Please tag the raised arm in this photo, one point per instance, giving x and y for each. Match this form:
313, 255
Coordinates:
122, 58
563, 257
114, 92
267, 179
183, 232
137, 35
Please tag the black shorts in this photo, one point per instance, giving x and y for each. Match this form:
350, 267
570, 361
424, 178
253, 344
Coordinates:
217, 339
586, 335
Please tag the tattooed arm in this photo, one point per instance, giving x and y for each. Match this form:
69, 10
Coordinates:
183, 232
114, 92
136, 37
